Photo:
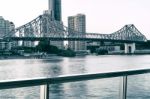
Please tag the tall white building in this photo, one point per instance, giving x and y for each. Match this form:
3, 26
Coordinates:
77, 23
4, 27
6, 30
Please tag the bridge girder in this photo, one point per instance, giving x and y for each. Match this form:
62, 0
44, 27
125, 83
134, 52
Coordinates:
44, 26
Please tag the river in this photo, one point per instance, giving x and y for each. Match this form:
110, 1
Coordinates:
138, 86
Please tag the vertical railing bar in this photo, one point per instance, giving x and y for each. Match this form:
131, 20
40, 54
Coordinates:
44, 91
47, 92
125, 87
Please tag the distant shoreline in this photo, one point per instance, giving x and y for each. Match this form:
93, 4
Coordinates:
27, 57
52, 56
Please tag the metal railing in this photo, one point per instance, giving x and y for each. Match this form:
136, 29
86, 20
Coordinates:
45, 82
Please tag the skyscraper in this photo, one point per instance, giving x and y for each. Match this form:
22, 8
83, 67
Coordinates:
77, 23
55, 9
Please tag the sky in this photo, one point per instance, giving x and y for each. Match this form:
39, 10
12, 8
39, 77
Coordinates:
102, 16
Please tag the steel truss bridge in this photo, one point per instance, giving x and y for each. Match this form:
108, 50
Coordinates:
45, 28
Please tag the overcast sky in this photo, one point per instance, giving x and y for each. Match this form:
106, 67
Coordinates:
103, 16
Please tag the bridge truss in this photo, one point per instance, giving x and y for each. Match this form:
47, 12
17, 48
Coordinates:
44, 27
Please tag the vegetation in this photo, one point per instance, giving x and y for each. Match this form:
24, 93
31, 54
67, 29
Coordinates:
92, 48
50, 49
141, 46
41, 47
26, 49
67, 53
45, 47
102, 52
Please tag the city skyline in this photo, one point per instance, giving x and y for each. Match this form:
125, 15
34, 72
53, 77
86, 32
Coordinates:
103, 16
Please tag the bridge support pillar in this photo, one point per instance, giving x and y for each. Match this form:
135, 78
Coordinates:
9, 45
129, 48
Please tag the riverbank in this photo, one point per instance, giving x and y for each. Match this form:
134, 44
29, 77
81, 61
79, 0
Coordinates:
55, 56
13, 57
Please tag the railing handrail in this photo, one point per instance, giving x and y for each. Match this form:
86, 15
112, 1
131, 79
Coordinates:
7, 84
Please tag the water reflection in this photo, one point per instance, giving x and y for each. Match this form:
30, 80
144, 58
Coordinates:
138, 86
55, 70
20, 93
78, 89
74, 65
57, 91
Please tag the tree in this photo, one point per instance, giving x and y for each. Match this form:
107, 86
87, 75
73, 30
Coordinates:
46, 47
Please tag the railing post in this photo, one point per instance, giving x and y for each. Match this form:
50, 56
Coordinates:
123, 90
44, 91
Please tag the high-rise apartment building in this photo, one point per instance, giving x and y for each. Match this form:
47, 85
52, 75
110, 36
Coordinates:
4, 27
77, 23
7, 29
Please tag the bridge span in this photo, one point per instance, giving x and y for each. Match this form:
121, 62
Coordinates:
44, 28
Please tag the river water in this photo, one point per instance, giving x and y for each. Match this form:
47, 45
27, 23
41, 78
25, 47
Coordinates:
138, 86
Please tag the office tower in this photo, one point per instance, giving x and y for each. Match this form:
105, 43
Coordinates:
77, 23
55, 9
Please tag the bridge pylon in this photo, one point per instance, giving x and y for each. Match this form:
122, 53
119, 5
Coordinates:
129, 48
